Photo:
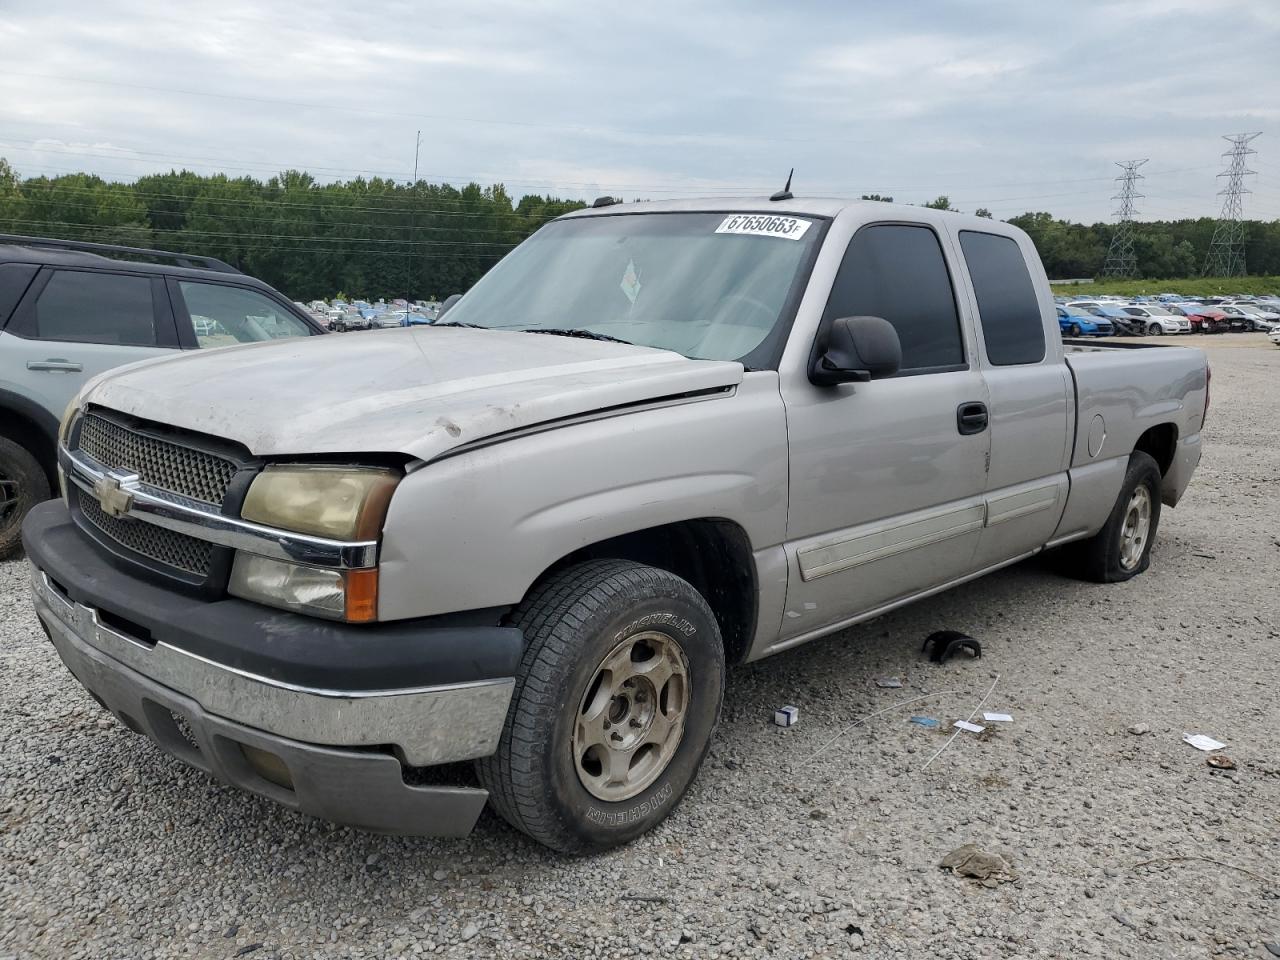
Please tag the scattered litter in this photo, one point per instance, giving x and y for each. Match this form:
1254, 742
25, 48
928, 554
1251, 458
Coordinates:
645, 898
1201, 742
1217, 863
929, 722
1205, 556
1138, 729
998, 717
942, 644
966, 725
1120, 918
951, 739
971, 861
786, 716
890, 682
1221, 761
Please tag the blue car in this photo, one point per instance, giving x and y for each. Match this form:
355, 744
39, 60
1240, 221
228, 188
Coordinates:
1075, 322
415, 320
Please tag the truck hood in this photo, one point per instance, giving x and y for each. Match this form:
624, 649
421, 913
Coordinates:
419, 390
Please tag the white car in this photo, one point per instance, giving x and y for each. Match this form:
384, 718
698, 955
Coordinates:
1260, 316
1157, 320
1275, 337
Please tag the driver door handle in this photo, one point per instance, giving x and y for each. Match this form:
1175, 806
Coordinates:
971, 418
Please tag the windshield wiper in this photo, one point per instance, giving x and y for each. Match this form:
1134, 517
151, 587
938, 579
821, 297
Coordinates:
455, 323
583, 334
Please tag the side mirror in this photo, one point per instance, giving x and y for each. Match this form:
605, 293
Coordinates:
448, 304
857, 349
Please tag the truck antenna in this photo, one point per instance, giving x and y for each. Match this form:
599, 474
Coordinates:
785, 192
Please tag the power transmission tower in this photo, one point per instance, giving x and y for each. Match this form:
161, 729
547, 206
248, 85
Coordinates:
1226, 251
1121, 260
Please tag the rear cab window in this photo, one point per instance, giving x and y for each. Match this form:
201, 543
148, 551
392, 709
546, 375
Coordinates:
898, 272
1008, 308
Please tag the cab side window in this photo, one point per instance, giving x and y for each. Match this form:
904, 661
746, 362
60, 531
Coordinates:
1007, 302
87, 307
898, 272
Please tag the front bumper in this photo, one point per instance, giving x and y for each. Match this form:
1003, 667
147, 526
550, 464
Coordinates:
339, 750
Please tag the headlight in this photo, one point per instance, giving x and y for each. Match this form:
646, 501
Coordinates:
350, 595
342, 503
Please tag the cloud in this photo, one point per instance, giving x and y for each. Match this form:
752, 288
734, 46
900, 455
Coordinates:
1007, 105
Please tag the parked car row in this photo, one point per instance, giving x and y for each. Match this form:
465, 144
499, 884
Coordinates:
341, 316
1154, 317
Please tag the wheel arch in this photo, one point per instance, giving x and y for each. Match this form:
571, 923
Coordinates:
33, 427
714, 555
1161, 443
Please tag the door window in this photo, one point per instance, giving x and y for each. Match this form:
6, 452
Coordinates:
897, 271
224, 315
85, 307
1007, 302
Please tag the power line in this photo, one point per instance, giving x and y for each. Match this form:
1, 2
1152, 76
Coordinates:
1226, 250
1121, 261
184, 231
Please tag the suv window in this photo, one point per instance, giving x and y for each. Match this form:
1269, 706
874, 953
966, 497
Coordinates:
88, 307
223, 315
1007, 302
897, 272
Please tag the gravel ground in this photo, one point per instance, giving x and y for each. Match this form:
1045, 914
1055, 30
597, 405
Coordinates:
793, 842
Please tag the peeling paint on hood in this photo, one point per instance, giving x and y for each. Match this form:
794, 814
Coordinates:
419, 390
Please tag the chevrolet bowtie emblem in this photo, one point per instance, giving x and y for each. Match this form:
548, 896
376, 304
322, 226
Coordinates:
114, 492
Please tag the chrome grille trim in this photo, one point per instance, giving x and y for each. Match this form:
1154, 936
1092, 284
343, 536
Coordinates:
161, 464
169, 547
206, 522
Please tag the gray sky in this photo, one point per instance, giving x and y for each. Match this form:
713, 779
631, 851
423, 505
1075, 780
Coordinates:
1007, 104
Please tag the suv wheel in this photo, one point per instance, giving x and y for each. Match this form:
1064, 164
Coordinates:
615, 702
1122, 549
23, 484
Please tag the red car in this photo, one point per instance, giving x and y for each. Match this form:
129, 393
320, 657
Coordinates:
1203, 319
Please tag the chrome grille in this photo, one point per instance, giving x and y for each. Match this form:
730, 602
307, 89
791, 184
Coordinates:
165, 546
159, 463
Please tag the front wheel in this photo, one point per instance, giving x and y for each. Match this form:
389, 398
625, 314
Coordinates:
615, 702
1122, 548
23, 484
1155, 330
1074, 330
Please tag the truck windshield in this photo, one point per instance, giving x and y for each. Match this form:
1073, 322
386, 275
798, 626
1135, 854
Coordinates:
707, 285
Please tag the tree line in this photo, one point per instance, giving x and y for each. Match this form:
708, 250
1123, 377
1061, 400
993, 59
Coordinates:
380, 238
371, 238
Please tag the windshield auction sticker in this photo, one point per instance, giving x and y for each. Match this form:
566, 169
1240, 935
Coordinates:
763, 225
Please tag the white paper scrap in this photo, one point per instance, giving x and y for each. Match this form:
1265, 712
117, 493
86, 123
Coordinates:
966, 725
1201, 742
998, 717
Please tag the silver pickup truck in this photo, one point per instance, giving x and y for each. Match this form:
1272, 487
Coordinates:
520, 546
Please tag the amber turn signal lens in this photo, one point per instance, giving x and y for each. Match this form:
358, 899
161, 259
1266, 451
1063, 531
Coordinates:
362, 595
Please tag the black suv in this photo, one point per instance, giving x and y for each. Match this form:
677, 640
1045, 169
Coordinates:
71, 310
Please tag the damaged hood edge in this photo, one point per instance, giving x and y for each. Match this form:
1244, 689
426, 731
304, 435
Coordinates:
418, 391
